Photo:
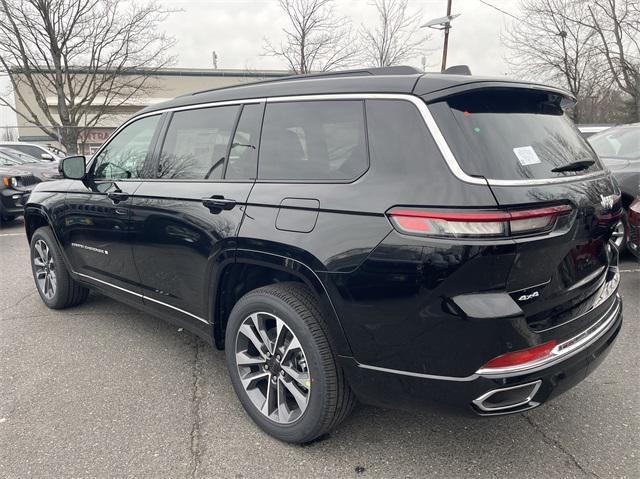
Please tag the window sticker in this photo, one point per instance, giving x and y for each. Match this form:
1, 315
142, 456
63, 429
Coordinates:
527, 155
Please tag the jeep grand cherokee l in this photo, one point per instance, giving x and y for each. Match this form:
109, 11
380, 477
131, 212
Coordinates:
405, 239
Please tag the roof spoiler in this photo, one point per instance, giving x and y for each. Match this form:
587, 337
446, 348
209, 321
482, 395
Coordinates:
458, 70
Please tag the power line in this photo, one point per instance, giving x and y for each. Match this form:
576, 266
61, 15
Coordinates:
500, 10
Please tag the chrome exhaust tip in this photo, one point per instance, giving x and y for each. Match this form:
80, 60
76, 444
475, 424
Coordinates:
512, 397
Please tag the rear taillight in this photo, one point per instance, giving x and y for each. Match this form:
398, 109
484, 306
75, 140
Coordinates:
521, 358
476, 224
634, 212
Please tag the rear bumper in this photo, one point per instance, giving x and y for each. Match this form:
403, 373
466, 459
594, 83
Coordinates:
487, 394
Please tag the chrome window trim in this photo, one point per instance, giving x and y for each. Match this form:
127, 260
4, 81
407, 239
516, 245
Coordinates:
422, 107
142, 296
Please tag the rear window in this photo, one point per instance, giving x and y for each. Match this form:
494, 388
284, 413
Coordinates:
512, 134
313, 140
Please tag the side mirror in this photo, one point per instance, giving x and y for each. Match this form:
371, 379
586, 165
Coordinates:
73, 167
46, 156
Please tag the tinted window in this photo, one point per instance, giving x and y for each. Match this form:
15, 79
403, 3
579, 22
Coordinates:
512, 134
623, 142
243, 155
313, 140
196, 143
125, 155
404, 150
29, 150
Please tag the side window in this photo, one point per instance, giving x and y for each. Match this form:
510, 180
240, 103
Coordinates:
29, 150
125, 154
196, 143
243, 156
400, 144
313, 140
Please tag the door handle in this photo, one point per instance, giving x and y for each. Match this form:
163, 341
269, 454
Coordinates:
218, 203
117, 197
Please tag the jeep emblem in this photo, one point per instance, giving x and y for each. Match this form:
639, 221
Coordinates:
607, 201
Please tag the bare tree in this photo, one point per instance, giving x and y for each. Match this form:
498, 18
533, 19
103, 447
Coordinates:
90, 56
315, 39
8, 133
617, 26
394, 37
553, 43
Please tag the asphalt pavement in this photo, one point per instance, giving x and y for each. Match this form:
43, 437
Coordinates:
103, 390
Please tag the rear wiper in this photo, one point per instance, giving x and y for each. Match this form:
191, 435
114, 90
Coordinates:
575, 166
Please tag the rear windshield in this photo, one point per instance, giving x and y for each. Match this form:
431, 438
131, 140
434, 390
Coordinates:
512, 134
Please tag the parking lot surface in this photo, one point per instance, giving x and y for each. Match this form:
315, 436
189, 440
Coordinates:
103, 390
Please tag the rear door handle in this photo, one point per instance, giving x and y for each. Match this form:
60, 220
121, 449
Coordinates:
217, 203
117, 197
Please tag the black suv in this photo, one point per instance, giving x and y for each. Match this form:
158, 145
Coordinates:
398, 237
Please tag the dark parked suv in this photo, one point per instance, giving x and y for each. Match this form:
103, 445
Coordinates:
401, 238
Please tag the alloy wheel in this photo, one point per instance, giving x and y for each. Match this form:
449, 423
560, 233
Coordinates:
618, 234
44, 269
273, 367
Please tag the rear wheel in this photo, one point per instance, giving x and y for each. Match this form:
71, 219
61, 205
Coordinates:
620, 233
55, 285
282, 366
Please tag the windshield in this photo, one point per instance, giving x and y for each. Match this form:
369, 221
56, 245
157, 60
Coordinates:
620, 142
6, 161
513, 134
19, 158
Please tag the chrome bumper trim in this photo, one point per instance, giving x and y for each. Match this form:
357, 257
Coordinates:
564, 350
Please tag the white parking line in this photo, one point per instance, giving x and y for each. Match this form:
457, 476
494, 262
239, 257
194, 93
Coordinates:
12, 234
630, 270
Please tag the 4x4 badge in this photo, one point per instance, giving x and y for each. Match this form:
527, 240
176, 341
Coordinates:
527, 297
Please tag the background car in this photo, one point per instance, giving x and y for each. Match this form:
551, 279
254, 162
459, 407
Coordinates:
37, 151
633, 240
587, 130
619, 150
15, 186
43, 171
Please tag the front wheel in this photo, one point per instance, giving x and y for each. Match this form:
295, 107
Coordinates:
282, 366
55, 285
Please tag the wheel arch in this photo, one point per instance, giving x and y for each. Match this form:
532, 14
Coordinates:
35, 218
254, 269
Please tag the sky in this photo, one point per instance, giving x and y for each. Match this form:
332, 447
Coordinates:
236, 30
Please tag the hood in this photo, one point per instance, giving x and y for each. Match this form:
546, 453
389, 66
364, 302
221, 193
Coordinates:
615, 163
13, 171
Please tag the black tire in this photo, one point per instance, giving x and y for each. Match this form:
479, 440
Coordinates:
330, 397
67, 292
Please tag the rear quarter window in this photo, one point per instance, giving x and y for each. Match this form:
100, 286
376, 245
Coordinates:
512, 134
313, 140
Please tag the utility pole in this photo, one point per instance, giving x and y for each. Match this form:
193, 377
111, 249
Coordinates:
443, 23
447, 27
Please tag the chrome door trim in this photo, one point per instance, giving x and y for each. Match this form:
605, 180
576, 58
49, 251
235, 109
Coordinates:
142, 296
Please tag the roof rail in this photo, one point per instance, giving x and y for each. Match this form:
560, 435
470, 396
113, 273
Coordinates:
395, 70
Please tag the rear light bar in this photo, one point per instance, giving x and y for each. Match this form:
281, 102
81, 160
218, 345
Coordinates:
479, 224
521, 357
